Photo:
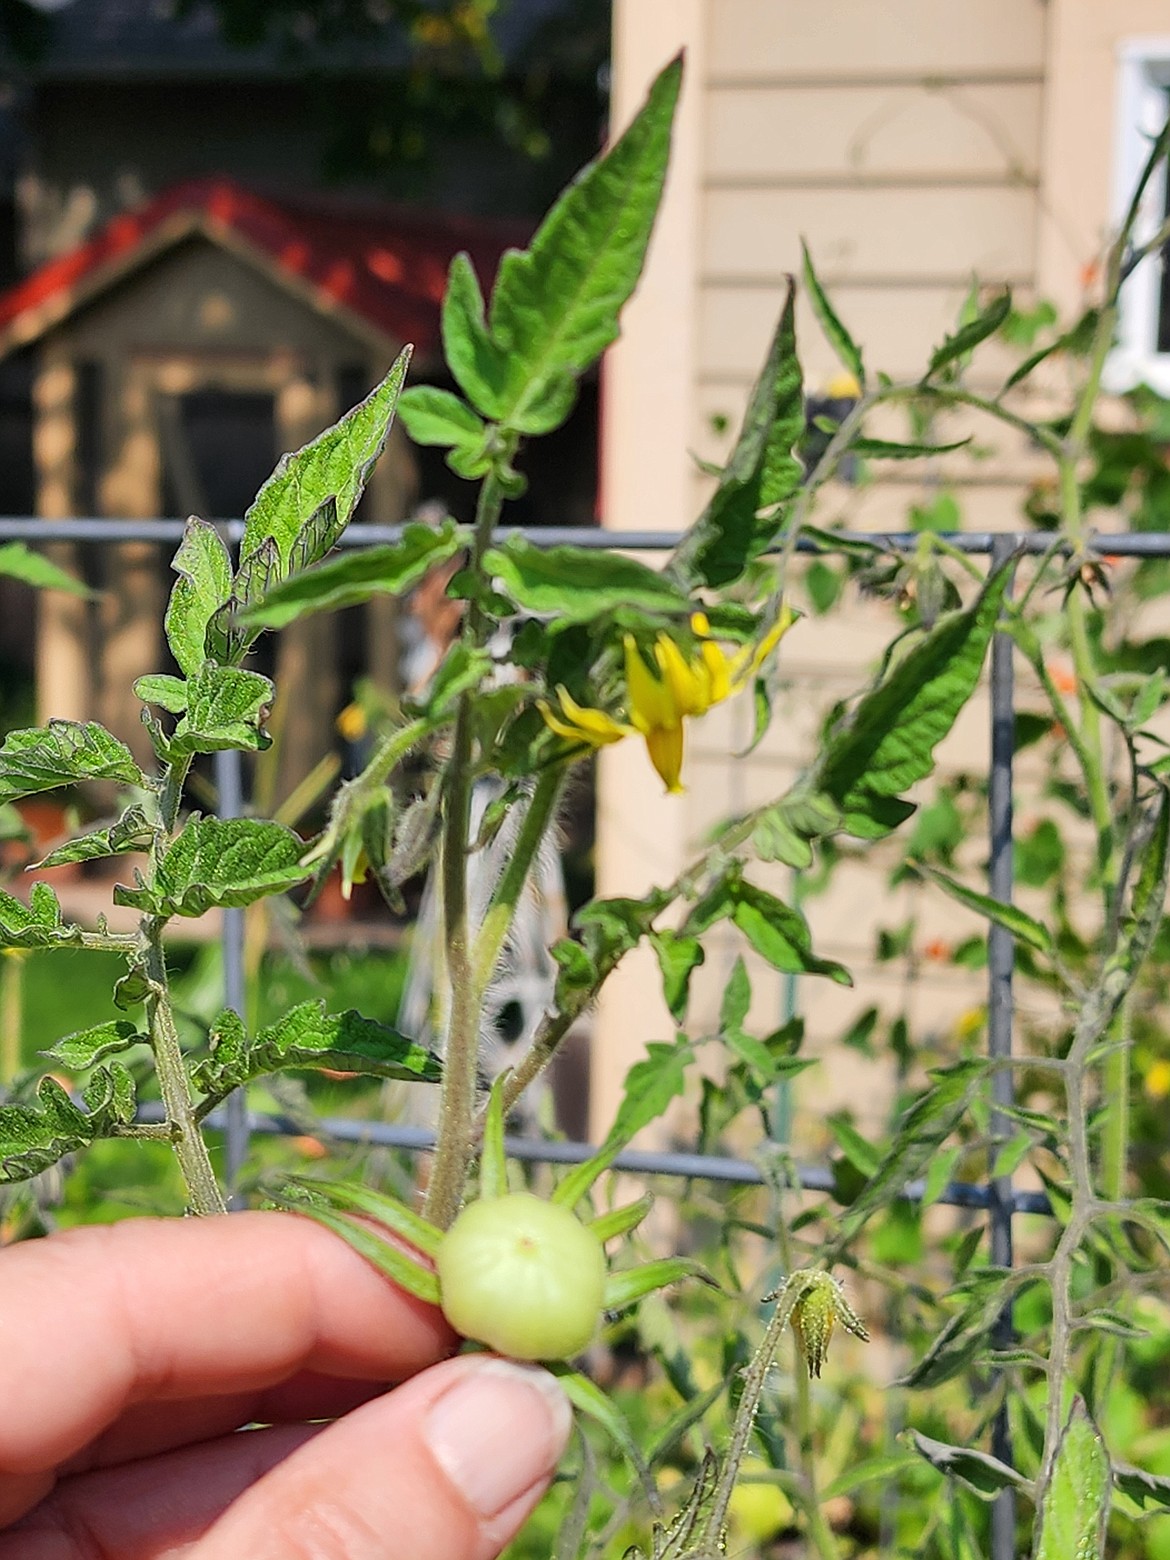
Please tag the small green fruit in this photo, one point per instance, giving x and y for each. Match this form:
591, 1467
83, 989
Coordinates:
523, 1276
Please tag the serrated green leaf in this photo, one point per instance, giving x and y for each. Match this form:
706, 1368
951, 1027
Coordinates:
888, 742
968, 336
111, 1097
316, 536
432, 416
37, 924
225, 705
678, 957
168, 693
774, 839
1022, 926
861, 1154
555, 305
204, 567
217, 862
131, 991
44, 758
847, 351
132, 832
359, 576
335, 465
762, 473
579, 584
309, 1037
463, 668
260, 570
33, 1137
21, 563
1070, 338
633, 1284
86, 1047
979, 1471
1071, 1523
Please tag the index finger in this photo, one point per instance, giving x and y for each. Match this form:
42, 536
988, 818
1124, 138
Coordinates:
167, 1309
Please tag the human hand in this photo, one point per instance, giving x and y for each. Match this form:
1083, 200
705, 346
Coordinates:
131, 1356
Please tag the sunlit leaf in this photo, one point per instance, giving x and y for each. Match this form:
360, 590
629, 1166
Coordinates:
218, 862
44, 758
336, 464
204, 567
578, 584
888, 742
359, 576
80, 1051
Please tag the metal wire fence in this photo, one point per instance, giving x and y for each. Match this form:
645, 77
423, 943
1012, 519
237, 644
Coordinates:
1002, 1200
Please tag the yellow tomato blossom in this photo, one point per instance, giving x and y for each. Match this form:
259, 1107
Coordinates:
659, 698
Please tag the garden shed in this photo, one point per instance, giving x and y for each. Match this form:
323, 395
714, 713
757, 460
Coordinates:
174, 356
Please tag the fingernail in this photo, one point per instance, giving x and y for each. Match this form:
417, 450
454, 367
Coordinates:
498, 1430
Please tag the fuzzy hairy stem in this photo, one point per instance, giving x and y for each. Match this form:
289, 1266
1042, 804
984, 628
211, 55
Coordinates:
755, 1380
203, 1191
458, 1089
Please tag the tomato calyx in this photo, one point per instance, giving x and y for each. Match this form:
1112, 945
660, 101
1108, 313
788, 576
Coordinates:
526, 1277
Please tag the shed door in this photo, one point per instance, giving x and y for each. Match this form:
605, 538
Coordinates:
217, 447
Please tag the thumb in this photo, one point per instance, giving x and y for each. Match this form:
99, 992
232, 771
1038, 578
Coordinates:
446, 1467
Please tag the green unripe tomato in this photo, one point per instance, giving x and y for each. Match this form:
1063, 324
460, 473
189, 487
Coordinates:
523, 1276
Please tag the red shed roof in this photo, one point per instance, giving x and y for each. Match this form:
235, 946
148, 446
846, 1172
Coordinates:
376, 268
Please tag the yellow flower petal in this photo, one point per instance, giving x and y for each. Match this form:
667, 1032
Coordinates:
594, 727
665, 747
749, 660
719, 671
687, 681
651, 705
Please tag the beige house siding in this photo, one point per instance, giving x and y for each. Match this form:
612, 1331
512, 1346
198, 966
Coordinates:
906, 141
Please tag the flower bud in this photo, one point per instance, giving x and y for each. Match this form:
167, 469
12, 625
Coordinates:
818, 1304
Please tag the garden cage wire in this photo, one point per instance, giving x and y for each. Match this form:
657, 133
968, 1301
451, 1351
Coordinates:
1002, 1200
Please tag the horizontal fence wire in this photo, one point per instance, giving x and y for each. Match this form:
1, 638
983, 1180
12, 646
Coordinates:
1102, 544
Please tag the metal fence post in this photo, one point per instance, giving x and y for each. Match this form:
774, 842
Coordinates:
1000, 960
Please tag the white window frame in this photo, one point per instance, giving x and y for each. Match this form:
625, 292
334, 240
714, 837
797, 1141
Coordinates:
1143, 81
